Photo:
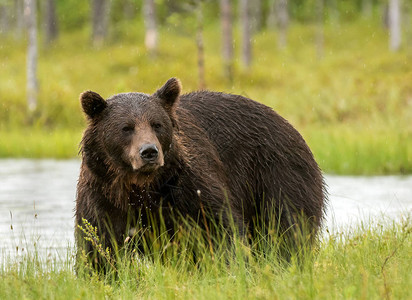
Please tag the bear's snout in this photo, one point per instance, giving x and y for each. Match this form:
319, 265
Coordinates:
149, 153
145, 151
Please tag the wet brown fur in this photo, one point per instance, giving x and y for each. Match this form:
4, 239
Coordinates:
268, 164
240, 154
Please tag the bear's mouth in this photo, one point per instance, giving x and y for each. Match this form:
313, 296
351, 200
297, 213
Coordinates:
147, 169
145, 174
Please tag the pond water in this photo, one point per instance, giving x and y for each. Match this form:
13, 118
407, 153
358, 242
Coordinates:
37, 199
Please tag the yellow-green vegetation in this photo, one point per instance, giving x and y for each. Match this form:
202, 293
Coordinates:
353, 105
34, 142
367, 262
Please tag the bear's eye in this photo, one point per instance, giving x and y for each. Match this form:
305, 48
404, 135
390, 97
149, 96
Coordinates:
128, 129
157, 125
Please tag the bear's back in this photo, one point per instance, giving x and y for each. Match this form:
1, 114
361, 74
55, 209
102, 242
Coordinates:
233, 120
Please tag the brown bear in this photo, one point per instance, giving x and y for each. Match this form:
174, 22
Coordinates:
174, 154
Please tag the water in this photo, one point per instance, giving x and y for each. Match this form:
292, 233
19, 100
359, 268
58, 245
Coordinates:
37, 199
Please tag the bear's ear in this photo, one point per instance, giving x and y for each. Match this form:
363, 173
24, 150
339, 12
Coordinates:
92, 103
169, 93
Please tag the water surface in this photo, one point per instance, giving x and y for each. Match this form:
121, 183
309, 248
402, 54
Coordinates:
37, 199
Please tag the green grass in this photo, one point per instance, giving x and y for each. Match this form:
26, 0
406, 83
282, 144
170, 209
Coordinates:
31, 142
353, 106
371, 261
361, 151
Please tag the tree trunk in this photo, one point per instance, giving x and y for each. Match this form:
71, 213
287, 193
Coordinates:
282, 21
394, 14
227, 38
272, 19
149, 14
100, 21
19, 11
320, 30
279, 19
246, 33
30, 14
4, 18
334, 11
200, 46
406, 20
367, 8
50, 21
256, 15
129, 9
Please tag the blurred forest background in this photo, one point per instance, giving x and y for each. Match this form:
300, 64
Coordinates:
339, 70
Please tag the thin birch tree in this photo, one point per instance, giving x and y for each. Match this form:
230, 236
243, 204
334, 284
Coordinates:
129, 9
394, 15
19, 17
282, 21
246, 33
149, 15
30, 12
256, 15
50, 21
367, 8
320, 28
100, 21
200, 45
227, 38
333, 11
4, 18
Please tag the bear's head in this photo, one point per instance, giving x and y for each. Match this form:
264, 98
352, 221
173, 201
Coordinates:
131, 133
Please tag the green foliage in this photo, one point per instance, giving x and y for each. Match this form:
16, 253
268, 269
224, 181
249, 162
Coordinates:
73, 14
360, 150
31, 142
369, 261
353, 106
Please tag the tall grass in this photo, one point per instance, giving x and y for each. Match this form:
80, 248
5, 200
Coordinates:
371, 261
32, 142
359, 150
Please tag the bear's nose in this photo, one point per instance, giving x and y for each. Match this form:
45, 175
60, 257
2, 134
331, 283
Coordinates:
149, 152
